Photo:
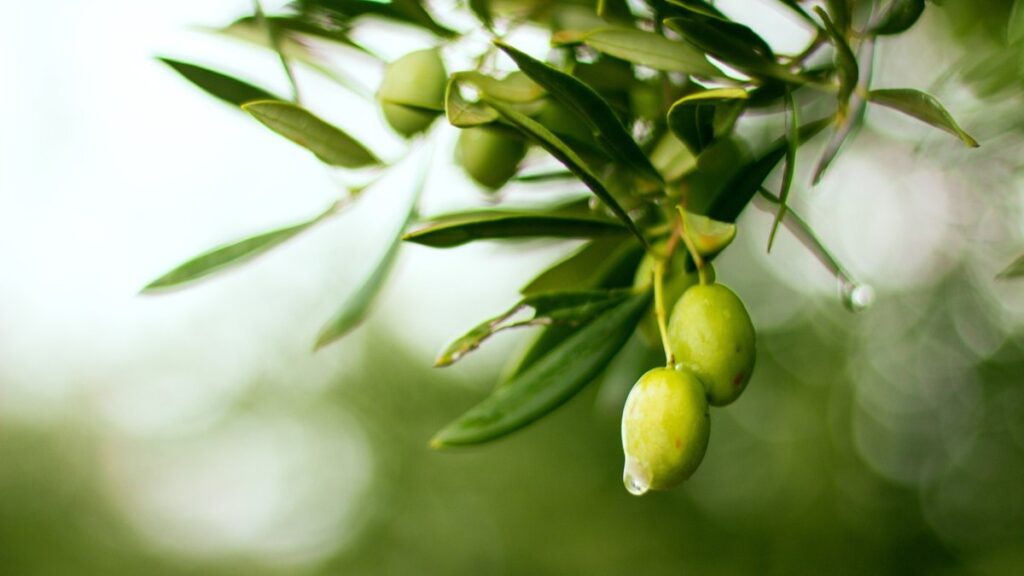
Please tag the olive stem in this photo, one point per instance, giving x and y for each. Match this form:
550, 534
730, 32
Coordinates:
659, 310
698, 261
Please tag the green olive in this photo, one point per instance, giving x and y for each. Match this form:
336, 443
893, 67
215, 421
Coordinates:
677, 280
711, 334
489, 155
665, 430
412, 91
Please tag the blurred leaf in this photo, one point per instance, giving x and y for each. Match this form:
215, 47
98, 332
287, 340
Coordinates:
550, 382
329, 143
549, 308
482, 9
848, 126
742, 187
686, 120
793, 143
709, 236
799, 10
233, 253
579, 270
222, 86
732, 43
922, 106
516, 87
1014, 270
458, 229
717, 164
672, 157
841, 12
899, 17
1015, 28
590, 106
356, 306
249, 30
846, 61
650, 49
406, 11
564, 154
462, 113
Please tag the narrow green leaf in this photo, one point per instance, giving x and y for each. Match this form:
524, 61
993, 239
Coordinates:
459, 229
922, 106
1014, 270
406, 11
846, 61
1015, 27
742, 187
799, 10
672, 157
845, 130
548, 383
356, 306
233, 253
732, 43
650, 49
550, 308
462, 113
482, 9
329, 143
564, 154
515, 88
590, 106
579, 270
229, 89
691, 118
899, 17
793, 143
842, 12
709, 236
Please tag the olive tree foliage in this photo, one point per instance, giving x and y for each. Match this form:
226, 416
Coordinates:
638, 101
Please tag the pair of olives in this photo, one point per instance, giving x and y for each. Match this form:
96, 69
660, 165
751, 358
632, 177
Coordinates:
666, 423
411, 96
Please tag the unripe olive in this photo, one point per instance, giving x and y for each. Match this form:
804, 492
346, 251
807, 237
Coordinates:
665, 430
677, 280
711, 334
489, 155
411, 88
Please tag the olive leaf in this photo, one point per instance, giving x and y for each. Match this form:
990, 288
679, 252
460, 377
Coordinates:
1014, 270
550, 381
846, 60
799, 10
354, 309
461, 228
691, 117
589, 106
1015, 26
515, 88
548, 308
564, 154
650, 49
329, 143
482, 9
218, 85
732, 43
792, 144
462, 113
922, 106
727, 205
898, 17
583, 269
405, 11
709, 236
234, 253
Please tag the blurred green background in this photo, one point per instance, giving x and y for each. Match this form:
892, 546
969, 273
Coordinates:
196, 433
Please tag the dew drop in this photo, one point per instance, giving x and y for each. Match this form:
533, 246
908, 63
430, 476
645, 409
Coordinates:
857, 297
634, 479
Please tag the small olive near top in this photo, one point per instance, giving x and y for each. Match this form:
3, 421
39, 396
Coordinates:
411, 93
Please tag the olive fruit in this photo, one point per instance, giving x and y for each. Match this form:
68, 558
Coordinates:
677, 281
665, 430
489, 155
412, 91
711, 334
